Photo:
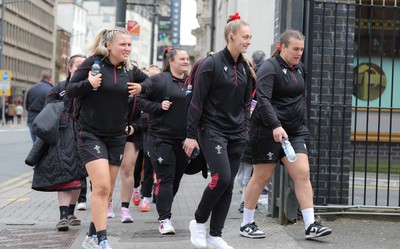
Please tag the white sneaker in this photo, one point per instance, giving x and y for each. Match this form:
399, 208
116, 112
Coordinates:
263, 201
198, 234
217, 243
166, 227
90, 242
81, 206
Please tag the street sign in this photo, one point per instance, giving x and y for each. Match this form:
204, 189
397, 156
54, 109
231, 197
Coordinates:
5, 82
134, 29
5, 75
5, 93
4, 85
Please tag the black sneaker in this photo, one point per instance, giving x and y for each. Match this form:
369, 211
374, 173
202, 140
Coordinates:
251, 230
317, 230
241, 207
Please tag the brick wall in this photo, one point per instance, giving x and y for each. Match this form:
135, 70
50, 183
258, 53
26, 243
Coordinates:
330, 108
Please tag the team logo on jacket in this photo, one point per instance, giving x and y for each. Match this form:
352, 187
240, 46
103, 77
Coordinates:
225, 68
62, 93
97, 149
218, 148
160, 160
284, 70
270, 154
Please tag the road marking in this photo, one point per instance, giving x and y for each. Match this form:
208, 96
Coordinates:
373, 187
16, 182
17, 178
18, 199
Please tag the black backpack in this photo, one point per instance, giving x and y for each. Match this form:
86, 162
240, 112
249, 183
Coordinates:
199, 162
194, 73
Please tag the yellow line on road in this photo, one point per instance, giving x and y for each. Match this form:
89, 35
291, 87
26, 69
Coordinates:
374, 187
16, 185
18, 178
16, 182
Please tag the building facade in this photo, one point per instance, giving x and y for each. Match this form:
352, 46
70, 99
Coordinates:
209, 35
29, 40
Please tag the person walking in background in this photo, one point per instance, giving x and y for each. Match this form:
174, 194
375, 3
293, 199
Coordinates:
67, 199
246, 167
11, 113
19, 110
102, 121
280, 114
133, 143
35, 98
153, 70
218, 117
163, 97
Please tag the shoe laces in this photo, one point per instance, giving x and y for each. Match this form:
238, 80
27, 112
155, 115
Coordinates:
317, 224
253, 226
166, 222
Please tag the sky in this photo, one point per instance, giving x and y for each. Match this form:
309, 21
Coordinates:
188, 22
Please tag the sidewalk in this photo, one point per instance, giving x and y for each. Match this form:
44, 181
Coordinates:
28, 220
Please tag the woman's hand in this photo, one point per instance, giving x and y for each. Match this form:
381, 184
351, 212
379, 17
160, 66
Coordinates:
189, 145
95, 81
129, 130
165, 105
134, 88
278, 134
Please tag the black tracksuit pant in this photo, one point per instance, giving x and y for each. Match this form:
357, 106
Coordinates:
169, 162
222, 152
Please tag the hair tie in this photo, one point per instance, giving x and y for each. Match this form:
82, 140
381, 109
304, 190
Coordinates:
167, 49
278, 47
235, 16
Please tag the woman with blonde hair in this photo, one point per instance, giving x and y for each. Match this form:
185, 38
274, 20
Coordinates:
103, 120
218, 117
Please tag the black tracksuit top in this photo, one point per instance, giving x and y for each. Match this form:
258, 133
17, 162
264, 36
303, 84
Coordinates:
104, 111
221, 98
170, 124
281, 100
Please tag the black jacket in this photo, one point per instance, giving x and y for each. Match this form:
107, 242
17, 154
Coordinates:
221, 99
35, 99
105, 111
169, 124
281, 97
59, 162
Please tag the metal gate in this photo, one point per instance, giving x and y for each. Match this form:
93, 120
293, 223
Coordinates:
355, 144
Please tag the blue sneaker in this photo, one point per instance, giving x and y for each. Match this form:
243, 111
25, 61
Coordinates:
104, 245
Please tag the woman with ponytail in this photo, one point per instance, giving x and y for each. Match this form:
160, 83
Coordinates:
103, 120
218, 121
163, 97
281, 114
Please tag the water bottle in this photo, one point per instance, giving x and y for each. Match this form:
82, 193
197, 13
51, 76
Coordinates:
95, 70
253, 106
189, 90
289, 151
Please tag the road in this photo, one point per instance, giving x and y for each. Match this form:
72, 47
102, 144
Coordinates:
15, 144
